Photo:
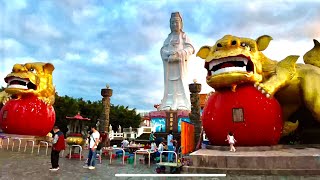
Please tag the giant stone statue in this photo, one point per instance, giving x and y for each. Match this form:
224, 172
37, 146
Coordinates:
175, 53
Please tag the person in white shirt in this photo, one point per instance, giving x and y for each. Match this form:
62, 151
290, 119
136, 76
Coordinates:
159, 149
231, 140
153, 146
93, 143
125, 143
170, 146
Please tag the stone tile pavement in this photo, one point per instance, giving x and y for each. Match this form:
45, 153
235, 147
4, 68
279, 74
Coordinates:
26, 166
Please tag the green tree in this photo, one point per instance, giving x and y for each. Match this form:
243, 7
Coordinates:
123, 116
1, 89
68, 106
64, 106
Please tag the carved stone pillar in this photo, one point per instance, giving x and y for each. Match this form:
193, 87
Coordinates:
195, 89
106, 93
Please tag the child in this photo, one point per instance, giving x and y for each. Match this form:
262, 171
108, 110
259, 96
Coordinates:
147, 146
231, 141
160, 149
153, 146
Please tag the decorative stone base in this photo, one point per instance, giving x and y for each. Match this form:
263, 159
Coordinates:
285, 160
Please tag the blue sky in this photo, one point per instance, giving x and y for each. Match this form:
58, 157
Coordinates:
92, 43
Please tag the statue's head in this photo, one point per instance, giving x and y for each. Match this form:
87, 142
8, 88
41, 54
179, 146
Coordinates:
176, 22
234, 60
31, 78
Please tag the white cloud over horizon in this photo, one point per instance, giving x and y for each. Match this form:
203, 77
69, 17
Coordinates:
92, 43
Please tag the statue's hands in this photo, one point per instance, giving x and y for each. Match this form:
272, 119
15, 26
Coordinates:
173, 57
170, 58
171, 53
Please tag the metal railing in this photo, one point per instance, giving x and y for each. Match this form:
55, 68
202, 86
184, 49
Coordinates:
130, 129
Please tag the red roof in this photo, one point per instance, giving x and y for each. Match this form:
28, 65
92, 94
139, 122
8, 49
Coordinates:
78, 117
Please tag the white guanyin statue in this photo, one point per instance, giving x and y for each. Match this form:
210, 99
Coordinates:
175, 53
119, 129
110, 128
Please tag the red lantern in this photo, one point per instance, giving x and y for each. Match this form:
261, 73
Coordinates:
253, 118
27, 116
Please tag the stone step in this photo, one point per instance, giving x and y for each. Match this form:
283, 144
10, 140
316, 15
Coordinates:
286, 158
263, 148
240, 171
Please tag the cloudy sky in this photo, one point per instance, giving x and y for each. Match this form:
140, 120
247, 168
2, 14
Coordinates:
92, 43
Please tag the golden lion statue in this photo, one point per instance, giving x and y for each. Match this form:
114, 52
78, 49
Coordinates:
235, 60
30, 78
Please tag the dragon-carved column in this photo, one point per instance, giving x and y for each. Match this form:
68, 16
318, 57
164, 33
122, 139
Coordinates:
106, 93
195, 89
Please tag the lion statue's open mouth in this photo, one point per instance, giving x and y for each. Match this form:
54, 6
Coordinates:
19, 83
238, 63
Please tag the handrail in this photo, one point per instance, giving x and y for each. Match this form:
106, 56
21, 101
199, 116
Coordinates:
169, 152
180, 151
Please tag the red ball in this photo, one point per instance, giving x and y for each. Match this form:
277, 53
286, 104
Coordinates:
27, 116
261, 122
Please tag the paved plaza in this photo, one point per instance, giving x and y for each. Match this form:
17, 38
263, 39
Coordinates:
23, 165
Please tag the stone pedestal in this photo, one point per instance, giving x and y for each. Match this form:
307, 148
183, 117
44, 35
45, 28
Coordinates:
271, 160
195, 89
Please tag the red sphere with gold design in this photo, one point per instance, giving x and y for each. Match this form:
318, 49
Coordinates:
27, 116
254, 119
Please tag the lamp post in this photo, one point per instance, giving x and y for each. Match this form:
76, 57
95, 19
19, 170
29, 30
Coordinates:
195, 89
106, 93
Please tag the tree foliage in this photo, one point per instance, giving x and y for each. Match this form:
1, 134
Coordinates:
123, 116
68, 106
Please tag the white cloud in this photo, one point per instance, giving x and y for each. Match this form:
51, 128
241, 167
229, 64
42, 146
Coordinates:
138, 59
2, 82
77, 45
198, 72
16, 4
11, 46
72, 56
312, 29
85, 13
100, 56
280, 49
37, 26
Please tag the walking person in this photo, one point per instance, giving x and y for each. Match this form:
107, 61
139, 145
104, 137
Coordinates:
58, 145
93, 144
152, 138
231, 140
170, 146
